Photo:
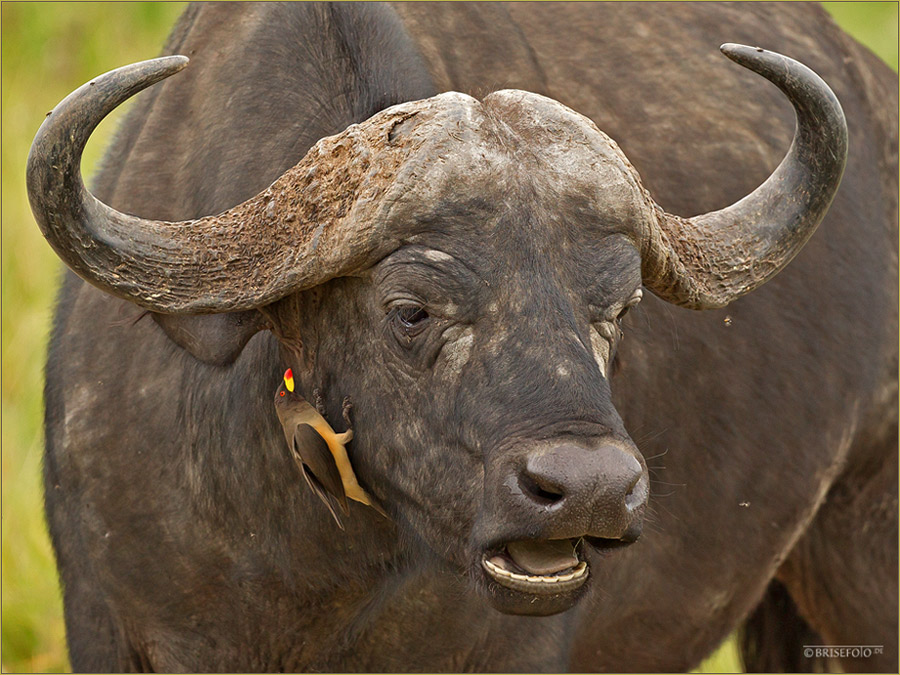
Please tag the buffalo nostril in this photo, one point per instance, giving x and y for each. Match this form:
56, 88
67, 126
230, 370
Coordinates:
636, 496
539, 489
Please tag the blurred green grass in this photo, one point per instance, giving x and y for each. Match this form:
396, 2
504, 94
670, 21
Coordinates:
47, 50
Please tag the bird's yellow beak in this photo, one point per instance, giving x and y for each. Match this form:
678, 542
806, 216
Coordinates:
289, 379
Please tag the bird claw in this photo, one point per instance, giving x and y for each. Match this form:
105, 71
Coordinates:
346, 407
319, 401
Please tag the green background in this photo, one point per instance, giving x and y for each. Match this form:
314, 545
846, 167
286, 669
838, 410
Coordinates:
48, 49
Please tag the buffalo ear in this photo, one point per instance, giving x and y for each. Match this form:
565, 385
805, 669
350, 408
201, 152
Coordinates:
216, 339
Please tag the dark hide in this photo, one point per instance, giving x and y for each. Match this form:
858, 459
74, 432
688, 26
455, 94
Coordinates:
770, 636
185, 536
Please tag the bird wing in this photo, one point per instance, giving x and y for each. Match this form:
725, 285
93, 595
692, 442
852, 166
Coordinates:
317, 465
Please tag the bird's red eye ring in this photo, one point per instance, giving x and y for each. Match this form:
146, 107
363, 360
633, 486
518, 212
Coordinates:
282, 393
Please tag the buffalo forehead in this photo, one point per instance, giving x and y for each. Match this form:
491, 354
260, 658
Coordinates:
517, 145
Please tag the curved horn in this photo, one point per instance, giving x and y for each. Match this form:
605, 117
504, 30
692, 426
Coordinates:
307, 227
709, 260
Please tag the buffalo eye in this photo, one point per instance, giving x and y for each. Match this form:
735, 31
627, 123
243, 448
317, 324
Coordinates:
410, 319
410, 315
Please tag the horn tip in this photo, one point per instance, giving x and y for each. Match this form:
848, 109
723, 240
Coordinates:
174, 63
736, 52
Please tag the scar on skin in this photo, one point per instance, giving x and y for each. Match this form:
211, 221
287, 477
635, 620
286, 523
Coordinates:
458, 352
437, 256
600, 347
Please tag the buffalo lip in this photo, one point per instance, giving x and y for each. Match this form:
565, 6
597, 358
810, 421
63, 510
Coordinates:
500, 568
606, 547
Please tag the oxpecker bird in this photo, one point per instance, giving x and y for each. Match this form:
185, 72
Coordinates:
319, 451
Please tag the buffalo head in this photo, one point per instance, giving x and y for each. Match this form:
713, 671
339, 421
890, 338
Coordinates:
459, 268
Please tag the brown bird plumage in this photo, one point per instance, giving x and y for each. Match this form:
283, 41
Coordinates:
319, 452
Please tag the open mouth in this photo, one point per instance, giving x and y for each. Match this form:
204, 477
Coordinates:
549, 567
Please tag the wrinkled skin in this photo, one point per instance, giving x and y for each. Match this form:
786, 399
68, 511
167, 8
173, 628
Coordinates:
510, 356
187, 539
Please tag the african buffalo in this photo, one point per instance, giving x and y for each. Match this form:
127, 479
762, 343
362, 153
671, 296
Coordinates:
417, 212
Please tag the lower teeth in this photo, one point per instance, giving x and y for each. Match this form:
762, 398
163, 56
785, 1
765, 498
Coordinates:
576, 572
